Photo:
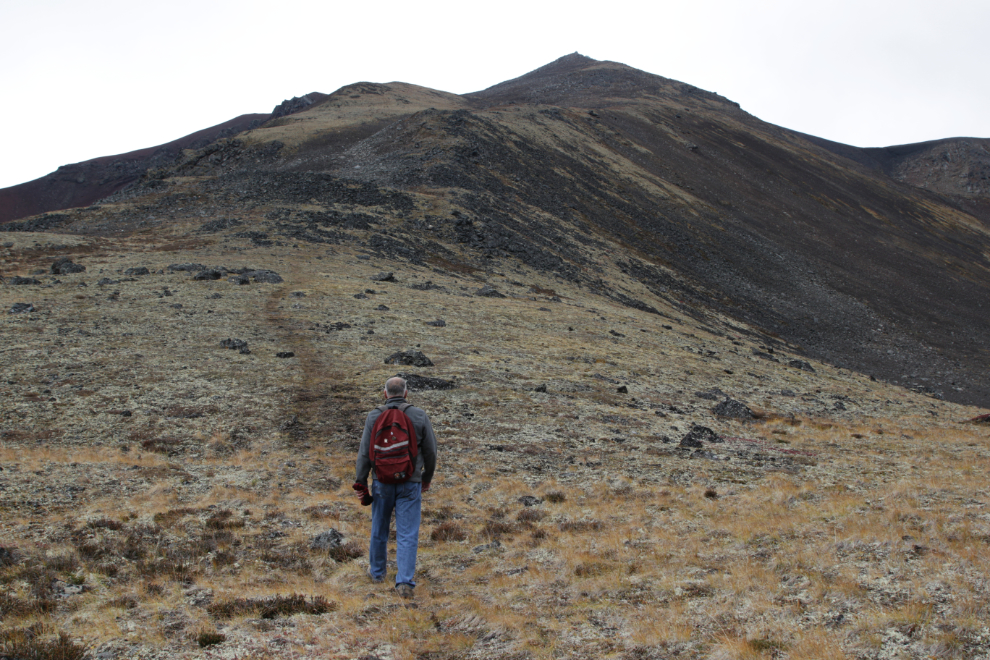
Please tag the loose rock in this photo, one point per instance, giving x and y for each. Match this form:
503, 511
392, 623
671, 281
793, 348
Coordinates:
733, 409
285, 354
417, 382
19, 281
383, 277
234, 344
20, 308
328, 540
801, 364
488, 291
409, 358
209, 274
135, 272
699, 434
64, 266
439, 323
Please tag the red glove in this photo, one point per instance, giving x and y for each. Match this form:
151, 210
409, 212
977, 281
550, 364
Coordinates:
362, 492
426, 486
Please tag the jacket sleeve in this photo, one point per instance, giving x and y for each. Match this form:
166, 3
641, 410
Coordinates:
363, 467
428, 449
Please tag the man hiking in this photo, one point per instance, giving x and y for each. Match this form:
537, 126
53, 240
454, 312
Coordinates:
401, 450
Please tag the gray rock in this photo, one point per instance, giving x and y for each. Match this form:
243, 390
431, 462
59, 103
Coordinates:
134, 272
416, 382
234, 344
494, 545
208, 274
20, 308
699, 434
266, 277
19, 281
530, 500
383, 277
488, 291
64, 266
239, 279
328, 540
188, 268
733, 409
439, 323
802, 365
409, 358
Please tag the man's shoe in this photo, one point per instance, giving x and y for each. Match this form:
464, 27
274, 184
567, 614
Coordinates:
376, 580
404, 590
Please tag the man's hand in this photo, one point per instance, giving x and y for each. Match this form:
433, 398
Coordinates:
362, 492
426, 486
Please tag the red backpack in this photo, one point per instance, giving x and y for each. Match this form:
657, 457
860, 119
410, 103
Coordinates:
393, 445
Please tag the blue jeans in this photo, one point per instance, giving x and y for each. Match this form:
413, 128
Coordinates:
405, 499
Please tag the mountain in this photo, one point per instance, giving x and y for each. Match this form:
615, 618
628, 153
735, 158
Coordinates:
638, 188
643, 324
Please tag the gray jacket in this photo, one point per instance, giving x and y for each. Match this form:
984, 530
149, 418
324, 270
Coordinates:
426, 457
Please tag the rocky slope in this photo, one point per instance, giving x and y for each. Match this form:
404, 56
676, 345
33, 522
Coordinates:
633, 186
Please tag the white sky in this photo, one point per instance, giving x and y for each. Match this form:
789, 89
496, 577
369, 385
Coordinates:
86, 78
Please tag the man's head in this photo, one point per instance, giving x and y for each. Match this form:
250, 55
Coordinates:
395, 386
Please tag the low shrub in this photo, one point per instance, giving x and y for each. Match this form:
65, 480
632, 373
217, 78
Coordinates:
38, 643
270, 608
210, 638
448, 531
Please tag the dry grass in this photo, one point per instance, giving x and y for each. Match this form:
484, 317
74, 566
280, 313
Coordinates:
805, 535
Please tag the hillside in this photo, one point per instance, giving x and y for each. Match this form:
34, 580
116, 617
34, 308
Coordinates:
648, 325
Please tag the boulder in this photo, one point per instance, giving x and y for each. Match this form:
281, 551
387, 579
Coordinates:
383, 277
488, 291
18, 281
187, 268
699, 435
266, 277
328, 540
409, 358
64, 266
135, 272
733, 409
208, 274
417, 382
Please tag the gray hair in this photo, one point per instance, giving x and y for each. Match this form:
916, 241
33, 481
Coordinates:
395, 386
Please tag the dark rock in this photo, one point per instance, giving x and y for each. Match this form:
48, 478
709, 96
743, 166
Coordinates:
801, 364
285, 354
107, 281
439, 323
622, 389
541, 388
360, 296
239, 279
328, 540
733, 409
383, 276
20, 308
417, 382
234, 344
208, 274
530, 500
265, 276
488, 291
135, 272
187, 268
371, 291
363, 257
298, 294
428, 285
699, 434
18, 281
409, 358
64, 266
8, 556
615, 334
713, 394
382, 308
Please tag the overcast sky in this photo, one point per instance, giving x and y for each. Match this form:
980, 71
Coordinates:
87, 78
